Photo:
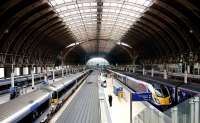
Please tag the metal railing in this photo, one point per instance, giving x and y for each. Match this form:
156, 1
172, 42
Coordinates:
151, 115
185, 112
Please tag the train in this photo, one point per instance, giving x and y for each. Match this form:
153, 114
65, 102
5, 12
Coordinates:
164, 92
44, 101
160, 94
25, 80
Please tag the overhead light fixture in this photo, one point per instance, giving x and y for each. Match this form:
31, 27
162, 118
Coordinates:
124, 44
75, 44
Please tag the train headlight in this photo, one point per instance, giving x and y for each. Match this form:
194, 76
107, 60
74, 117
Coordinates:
157, 101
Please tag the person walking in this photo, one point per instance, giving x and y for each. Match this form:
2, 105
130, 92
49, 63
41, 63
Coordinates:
110, 100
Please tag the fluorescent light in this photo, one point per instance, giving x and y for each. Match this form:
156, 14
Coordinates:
124, 44
74, 44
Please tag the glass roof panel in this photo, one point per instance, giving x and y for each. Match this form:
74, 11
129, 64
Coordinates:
87, 19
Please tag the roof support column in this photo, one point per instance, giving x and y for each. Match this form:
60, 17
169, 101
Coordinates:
133, 69
38, 69
53, 74
66, 69
188, 69
129, 69
165, 73
12, 77
143, 70
152, 72
12, 88
32, 77
45, 75
25, 70
185, 76
62, 71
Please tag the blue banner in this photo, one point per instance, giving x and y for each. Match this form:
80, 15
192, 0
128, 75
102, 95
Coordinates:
141, 96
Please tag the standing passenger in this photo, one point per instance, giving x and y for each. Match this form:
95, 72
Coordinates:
110, 100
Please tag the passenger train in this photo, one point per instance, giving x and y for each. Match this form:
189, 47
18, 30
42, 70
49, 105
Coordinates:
21, 81
47, 99
160, 94
164, 92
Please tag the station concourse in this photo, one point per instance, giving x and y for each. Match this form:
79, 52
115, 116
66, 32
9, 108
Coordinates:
99, 61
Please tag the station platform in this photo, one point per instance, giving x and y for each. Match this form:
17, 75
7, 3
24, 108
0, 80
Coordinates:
84, 107
89, 105
6, 97
120, 110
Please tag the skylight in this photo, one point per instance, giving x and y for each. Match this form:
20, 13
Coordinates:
116, 17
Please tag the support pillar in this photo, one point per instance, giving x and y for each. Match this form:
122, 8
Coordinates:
196, 108
53, 75
45, 76
62, 72
143, 71
12, 79
188, 69
185, 77
32, 76
165, 74
66, 72
133, 69
25, 70
152, 72
38, 69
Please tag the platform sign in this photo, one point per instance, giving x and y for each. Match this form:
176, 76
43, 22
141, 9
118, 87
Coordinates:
141, 96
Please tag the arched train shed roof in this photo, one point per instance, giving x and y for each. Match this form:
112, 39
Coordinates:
38, 31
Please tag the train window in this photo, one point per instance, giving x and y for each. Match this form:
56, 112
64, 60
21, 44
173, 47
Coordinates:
162, 91
54, 95
165, 91
158, 92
